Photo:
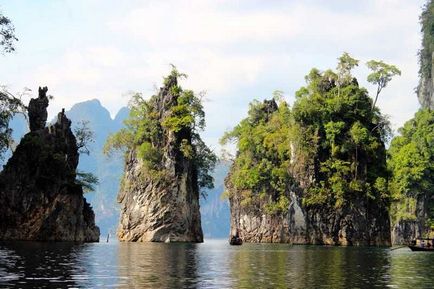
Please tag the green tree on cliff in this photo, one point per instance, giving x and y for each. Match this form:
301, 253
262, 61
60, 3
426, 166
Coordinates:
343, 135
411, 163
331, 143
148, 119
261, 169
382, 73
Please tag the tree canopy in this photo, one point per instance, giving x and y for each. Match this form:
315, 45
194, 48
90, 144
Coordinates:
342, 136
411, 164
261, 168
331, 143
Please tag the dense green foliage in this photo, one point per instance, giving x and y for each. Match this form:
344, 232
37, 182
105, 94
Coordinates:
411, 162
343, 136
331, 143
151, 120
261, 168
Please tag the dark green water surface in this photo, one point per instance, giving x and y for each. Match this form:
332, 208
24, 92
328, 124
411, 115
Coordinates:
213, 264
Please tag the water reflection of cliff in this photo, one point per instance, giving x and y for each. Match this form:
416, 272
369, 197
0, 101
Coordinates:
38, 265
411, 269
157, 265
284, 266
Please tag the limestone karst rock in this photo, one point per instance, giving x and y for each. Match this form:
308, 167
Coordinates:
425, 89
39, 196
360, 221
37, 110
162, 209
301, 225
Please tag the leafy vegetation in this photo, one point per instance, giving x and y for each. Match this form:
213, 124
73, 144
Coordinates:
87, 181
411, 162
149, 123
261, 169
85, 136
343, 134
382, 73
331, 143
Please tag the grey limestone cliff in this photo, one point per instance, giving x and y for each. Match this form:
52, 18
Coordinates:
161, 209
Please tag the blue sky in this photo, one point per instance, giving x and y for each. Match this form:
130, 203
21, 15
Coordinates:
235, 50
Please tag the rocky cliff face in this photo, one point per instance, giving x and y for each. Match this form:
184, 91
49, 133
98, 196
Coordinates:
164, 209
354, 224
425, 90
39, 197
404, 231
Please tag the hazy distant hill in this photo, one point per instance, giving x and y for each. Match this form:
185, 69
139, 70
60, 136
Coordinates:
215, 211
108, 170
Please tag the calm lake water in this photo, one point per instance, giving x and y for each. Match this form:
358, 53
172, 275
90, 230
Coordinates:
213, 264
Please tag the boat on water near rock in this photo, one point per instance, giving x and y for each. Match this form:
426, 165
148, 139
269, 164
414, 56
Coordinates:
236, 240
422, 244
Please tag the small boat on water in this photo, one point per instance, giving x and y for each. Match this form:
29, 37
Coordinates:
422, 244
235, 241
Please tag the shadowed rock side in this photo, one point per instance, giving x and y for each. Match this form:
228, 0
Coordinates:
165, 209
39, 197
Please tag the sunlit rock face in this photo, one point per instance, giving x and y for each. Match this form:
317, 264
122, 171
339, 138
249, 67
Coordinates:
354, 225
165, 210
39, 196
425, 90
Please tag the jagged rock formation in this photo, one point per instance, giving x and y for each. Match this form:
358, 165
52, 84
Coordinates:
39, 197
161, 205
37, 110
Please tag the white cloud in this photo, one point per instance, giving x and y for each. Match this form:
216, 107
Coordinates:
235, 50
